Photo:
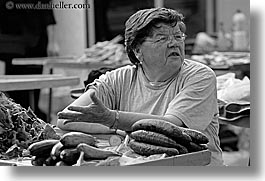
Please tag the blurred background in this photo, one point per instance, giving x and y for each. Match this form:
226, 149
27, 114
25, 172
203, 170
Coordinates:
106, 20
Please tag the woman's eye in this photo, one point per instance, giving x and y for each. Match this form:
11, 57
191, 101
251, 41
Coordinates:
162, 38
178, 37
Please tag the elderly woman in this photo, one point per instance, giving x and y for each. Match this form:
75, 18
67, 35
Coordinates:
161, 84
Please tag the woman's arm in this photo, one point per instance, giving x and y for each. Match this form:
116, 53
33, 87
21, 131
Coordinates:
96, 112
126, 119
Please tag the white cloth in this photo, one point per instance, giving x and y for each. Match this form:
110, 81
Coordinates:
231, 89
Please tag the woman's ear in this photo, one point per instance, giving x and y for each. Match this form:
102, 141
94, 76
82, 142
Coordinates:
182, 26
138, 53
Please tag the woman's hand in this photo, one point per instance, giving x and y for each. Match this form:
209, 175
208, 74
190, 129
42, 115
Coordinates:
96, 112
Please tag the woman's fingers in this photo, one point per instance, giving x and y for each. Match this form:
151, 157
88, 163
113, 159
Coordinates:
90, 113
82, 109
65, 115
72, 121
68, 121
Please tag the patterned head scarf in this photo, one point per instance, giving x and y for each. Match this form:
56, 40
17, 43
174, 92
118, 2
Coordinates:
138, 21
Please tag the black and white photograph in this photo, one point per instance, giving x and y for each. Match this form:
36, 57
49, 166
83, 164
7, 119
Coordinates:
93, 83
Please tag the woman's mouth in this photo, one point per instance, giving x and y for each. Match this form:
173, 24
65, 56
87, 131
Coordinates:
174, 54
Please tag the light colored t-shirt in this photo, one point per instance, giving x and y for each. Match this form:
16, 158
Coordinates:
189, 95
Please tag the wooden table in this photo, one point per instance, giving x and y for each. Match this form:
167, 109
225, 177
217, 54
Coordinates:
31, 82
40, 60
200, 158
64, 62
81, 64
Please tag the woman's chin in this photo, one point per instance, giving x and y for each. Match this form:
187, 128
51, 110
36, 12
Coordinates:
174, 59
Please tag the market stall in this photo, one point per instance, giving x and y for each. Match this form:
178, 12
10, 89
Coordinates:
225, 65
26, 140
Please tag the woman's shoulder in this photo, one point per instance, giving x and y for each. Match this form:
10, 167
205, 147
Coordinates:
125, 71
195, 64
190, 66
193, 71
126, 68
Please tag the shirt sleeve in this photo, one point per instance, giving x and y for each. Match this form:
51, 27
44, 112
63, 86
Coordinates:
196, 102
106, 89
111, 86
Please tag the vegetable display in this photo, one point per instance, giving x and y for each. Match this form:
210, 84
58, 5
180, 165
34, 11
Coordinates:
154, 136
19, 128
148, 137
163, 127
149, 149
72, 139
81, 149
21, 132
71, 147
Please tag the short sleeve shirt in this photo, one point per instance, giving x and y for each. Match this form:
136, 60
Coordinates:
189, 95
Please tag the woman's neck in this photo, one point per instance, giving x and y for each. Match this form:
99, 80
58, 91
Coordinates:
158, 75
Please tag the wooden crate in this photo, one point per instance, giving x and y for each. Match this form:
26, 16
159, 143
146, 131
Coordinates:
200, 158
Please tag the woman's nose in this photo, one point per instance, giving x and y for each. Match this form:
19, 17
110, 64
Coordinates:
173, 42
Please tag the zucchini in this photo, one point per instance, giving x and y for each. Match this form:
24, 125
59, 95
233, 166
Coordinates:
70, 156
50, 161
62, 163
194, 147
163, 127
196, 136
42, 148
56, 150
146, 149
152, 138
72, 139
38, 161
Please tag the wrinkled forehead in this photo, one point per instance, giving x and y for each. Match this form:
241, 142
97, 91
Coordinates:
164, 28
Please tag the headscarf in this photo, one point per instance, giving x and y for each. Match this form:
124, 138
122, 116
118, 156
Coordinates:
141, 19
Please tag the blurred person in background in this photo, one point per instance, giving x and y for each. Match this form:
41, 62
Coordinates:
26, 33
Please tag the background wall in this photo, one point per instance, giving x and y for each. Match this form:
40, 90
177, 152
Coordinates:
70, 29
70, 33
226, 9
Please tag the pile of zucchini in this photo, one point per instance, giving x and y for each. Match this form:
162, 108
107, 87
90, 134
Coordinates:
68, 150
148, 137
153, 136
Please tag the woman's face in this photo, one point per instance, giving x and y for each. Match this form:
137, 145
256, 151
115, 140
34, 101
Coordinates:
165, 49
